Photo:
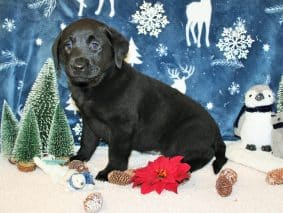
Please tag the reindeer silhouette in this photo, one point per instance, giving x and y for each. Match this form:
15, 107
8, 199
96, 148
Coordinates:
82, 6
180, 82
198, 13
100, 4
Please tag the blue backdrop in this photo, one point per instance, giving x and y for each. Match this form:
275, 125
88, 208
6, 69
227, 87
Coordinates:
240, 44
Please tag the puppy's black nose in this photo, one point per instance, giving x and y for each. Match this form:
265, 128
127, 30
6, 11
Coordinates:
80, 64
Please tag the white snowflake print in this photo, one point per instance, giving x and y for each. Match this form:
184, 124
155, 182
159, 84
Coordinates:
235, 42
266, 47
234, 88
209, 105
12, 60
150, 19
9, 25
78, 129
38, 41
276, 9
62, 26
20, 85
72, 105
162, 50
47, 5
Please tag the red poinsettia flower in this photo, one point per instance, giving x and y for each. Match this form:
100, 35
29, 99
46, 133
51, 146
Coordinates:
163, 173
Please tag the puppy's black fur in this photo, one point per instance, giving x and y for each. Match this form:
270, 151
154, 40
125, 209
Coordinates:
128, 109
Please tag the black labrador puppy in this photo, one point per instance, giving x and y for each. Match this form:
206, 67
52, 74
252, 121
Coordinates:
129, 110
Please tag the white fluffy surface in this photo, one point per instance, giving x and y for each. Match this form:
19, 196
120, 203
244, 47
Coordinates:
259, 160
35, 193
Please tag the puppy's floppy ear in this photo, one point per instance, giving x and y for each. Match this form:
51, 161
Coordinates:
120, 45
56, 54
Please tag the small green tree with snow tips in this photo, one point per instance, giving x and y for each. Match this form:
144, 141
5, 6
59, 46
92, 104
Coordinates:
280, 96
28, 143
60, 140
9, 131
43, 99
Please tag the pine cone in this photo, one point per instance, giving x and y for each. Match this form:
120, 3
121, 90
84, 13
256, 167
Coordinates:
275, 176
223, 186
93, 202
230, 174
130, 172
119, 177
78, 165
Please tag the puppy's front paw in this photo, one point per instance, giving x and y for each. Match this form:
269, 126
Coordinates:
102, 175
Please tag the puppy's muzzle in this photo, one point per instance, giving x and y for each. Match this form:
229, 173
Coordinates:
80, 64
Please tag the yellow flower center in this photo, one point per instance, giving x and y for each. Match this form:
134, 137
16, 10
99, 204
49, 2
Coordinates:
162, 173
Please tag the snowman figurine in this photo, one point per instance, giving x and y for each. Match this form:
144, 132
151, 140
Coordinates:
254, 125
277, 135
65, 176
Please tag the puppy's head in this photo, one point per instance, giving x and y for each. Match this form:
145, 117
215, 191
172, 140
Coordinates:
87, 49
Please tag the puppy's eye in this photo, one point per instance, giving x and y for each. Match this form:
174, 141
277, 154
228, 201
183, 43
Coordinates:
250, 95
94, 45
68, 45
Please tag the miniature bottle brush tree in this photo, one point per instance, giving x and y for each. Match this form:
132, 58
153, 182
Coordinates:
60, 140
28, 144
43, 99
9, 131
43, 128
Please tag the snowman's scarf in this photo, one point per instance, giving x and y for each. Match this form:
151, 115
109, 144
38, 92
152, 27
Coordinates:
268, 108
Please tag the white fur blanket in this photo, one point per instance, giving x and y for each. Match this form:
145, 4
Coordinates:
259, 160
36, 193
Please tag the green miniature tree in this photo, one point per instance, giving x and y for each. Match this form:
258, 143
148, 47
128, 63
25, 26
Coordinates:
280, 96
28, 143
43, 99
60, 140
9, 131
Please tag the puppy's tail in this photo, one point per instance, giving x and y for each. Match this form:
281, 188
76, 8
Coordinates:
220, 149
